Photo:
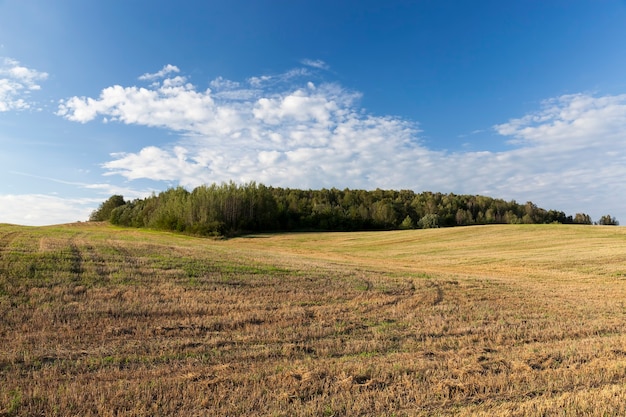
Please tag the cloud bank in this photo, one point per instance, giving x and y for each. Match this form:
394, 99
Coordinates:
287, 131
16, 82
41, 209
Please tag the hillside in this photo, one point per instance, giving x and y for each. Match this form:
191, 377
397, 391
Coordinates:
482, 320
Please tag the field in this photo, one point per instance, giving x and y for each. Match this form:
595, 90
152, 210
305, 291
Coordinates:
488, 320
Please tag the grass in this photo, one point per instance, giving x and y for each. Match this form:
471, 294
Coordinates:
489, 320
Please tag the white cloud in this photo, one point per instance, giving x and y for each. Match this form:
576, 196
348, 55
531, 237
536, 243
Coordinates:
268, 81
45, 209
315, 63
41, 209
574, 119
299, 106
167, 69
172, 104
221, 83
16, 82
105, 189
570, 155
154, 163
259, 81
231, 90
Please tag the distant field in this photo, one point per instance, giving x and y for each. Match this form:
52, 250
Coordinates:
506, 320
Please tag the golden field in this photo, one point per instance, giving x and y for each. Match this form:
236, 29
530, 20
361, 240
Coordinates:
506, 320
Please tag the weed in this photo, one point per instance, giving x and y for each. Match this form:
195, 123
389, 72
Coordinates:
15, 402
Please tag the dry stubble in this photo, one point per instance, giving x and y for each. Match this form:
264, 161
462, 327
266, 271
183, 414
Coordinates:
500, 320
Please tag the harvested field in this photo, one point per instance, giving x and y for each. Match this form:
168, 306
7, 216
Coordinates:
486, 320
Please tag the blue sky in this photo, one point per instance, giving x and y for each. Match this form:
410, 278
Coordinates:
517, 100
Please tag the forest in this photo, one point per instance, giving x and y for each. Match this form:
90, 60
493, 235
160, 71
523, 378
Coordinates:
230, 209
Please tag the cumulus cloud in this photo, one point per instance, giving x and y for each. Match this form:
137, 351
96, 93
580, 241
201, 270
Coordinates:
167, 69
172, 104
16, 82
155, 163
570, 120
569, 155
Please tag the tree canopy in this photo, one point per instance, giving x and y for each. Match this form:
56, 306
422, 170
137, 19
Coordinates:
607, 220
103, 212
229, 209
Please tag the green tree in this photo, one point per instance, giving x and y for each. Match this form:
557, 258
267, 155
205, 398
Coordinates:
607, 220
429, 221
383, 213
582, 218
103, 213
407, 223
232, 209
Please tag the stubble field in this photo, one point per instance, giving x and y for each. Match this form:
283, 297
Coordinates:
490, 320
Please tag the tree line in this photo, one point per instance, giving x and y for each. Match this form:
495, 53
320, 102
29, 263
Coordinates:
231, 209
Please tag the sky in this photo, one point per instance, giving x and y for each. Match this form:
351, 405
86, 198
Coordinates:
519, 100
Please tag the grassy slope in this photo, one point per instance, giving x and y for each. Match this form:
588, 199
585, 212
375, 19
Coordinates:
492, 320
